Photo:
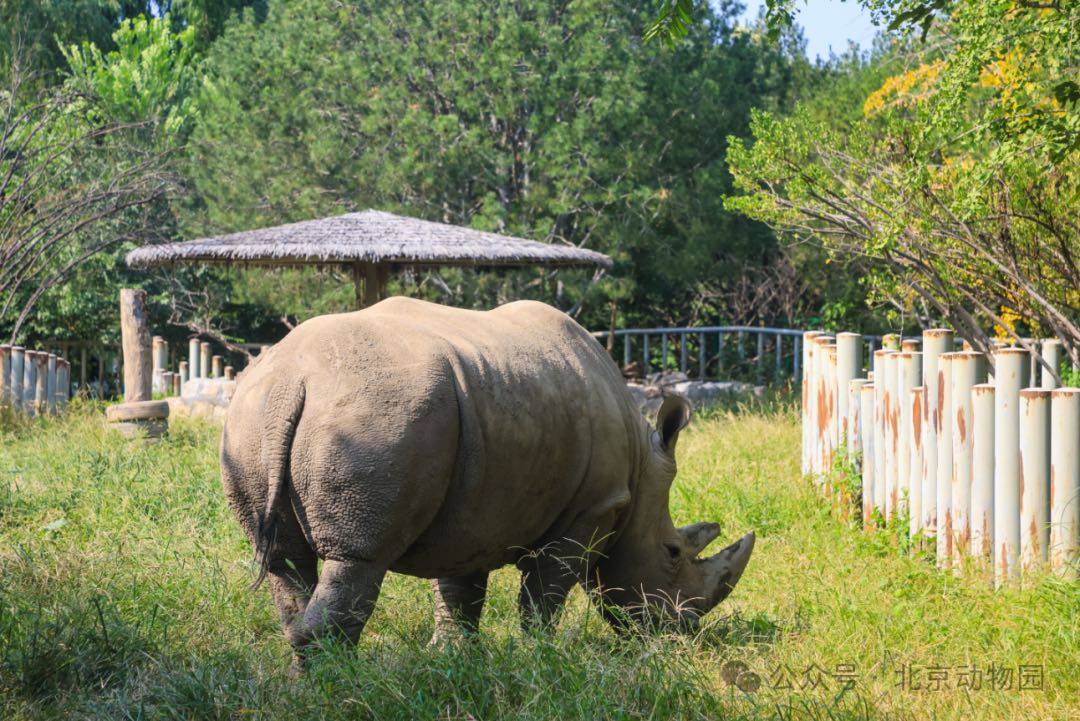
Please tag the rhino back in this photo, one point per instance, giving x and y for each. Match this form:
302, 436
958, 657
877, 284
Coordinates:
442, 441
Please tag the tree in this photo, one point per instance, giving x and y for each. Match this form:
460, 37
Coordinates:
83, 166
958, 188
540, 118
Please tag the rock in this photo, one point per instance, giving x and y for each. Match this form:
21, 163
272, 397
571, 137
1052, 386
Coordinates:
650, 395
204, 398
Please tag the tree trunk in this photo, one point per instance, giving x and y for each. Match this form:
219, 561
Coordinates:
135, 333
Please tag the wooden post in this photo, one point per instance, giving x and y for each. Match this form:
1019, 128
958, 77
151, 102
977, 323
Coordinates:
204, 359
135, 335
41, 390
177, 384
50, 384
5, 376
215, 367
18, 358
1035, 472
63, 383
982, 470
1010, 374
371, 284
1065, 479
230, 373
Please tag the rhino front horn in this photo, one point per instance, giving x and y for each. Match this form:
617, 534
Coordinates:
725, 568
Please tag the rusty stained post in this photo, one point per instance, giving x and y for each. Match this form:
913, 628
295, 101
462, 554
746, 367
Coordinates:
943, 472
867, 427
890, 341
204, 359
1035, 478
967, 370
879, 429
908, 378
982, 470
215, 367
916, 461
855, 446
935, 342
808, 399
1011, 369
892, 431
832, 394
193, 359
821, 405
1051, 354
1064, 480
848, 367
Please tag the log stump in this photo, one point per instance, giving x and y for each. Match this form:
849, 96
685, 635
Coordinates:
139, 416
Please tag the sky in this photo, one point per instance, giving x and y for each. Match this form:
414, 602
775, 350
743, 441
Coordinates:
827, 23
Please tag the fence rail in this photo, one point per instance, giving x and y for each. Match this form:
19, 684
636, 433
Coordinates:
715, 350
983, 465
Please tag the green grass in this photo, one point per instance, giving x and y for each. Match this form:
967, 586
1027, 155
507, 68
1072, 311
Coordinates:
124, 594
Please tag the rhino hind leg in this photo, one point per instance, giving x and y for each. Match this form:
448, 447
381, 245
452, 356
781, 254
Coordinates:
340, 606
459, 601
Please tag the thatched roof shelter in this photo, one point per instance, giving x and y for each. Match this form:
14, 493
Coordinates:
371, 243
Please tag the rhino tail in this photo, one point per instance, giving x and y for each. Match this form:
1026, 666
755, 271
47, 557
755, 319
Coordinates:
283, 409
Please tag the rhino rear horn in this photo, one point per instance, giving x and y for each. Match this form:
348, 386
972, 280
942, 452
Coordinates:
726, 567
698, 535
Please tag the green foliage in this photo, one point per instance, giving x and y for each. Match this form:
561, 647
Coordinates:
953, 189
147, 78
538, 119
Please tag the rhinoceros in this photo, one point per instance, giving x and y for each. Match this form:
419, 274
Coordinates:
446, 443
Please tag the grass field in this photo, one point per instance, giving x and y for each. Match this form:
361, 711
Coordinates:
124, 594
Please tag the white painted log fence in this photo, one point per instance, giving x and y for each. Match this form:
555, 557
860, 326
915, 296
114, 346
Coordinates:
986, 466
33, 383
201, 363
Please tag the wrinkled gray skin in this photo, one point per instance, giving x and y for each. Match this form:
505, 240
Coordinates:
446, 443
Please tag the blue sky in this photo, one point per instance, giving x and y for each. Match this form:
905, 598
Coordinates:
827, 23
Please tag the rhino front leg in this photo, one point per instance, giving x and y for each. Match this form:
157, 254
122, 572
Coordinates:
343, 600
459, 600
545, 583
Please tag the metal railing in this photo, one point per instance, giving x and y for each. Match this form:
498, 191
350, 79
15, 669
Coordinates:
718, 351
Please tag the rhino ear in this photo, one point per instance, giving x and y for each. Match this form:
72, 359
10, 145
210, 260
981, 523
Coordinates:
673, 416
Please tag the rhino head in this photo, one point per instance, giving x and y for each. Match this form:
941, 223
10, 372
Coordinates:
652, 573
